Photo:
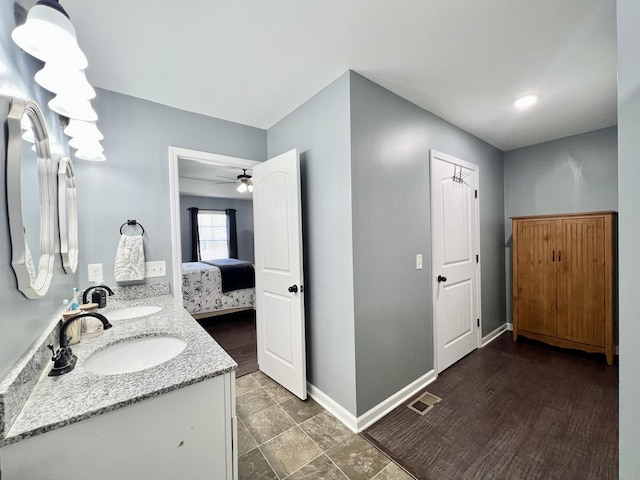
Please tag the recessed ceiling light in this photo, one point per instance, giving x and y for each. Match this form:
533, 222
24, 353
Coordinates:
526, 101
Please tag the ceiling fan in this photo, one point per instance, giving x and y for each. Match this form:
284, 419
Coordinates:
244, 181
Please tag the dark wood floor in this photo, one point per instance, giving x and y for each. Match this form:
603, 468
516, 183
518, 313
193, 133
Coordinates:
511, 411
236, 333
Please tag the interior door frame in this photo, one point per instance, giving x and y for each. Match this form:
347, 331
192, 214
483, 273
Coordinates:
175, 155
434, 154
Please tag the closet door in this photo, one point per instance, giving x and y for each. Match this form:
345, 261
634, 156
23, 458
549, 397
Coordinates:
535, 276
581, 280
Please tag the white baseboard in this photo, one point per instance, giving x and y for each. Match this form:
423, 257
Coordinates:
333, 407
376, 413
358, 424
493, 335
510, 327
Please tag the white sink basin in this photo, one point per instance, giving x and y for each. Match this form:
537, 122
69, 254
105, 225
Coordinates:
132, 312
134, 355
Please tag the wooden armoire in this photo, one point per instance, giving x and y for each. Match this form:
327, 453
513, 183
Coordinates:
563, 276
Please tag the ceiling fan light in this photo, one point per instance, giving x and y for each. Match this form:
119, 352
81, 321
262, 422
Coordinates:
244, 182
49, 35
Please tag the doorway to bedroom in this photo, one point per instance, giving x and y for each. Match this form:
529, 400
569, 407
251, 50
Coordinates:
217, 254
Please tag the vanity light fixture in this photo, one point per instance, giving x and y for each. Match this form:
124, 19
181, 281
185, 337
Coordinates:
49, 35
86, 144
59, 79
90, 156
72, 107
526, 101
80, 128
87, 149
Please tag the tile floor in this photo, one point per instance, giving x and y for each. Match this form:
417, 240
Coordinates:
282, 437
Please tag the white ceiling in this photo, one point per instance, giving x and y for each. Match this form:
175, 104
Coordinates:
210, 180
254, 61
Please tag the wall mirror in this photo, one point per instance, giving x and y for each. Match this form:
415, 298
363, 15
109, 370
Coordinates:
67, 215
30, 198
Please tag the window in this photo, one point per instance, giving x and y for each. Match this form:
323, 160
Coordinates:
212, 229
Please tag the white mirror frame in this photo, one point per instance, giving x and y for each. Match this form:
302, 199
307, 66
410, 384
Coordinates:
31, 287
67, 215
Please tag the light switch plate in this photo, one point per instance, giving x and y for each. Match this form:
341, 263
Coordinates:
155, 269
419, 261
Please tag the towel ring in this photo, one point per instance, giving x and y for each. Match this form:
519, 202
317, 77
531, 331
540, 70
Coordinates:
132, 223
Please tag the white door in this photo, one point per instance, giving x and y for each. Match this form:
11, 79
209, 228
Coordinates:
278, 264
456, 265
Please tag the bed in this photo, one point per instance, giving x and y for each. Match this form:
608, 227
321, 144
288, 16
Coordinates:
217, 288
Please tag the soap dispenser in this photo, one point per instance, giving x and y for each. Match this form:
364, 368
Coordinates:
75, 303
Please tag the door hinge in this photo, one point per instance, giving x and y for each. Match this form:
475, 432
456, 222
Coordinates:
476, 193
477, 259
478, 322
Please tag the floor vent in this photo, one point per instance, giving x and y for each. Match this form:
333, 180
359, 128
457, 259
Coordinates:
423, 403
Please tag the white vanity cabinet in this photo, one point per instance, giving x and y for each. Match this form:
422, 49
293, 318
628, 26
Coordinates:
186, 434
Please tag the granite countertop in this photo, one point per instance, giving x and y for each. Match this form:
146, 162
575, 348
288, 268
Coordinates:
80, 394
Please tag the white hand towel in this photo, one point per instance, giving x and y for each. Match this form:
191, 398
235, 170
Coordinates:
129, 263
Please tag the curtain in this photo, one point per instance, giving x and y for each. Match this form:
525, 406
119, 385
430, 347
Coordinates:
232, 234
195, 235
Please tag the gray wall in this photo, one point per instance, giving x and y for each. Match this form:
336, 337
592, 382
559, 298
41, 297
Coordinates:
134, 181
244, 222
365, 157
571, 174
319, 129
23, 320
390, 140
629, 233
568, 175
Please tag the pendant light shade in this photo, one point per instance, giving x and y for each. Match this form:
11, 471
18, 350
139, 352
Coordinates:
90, 156
71, 107
88, 150
61, 79
80, 128
86, 144
49, 36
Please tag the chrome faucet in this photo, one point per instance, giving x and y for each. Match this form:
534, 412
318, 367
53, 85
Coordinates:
85, 295
64, 360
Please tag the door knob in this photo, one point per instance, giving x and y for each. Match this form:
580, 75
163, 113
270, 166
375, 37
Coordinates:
293, 289
441, 279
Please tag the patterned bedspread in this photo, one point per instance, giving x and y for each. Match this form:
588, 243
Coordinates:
202, 290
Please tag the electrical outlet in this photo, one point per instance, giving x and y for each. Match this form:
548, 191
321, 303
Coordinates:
155, 269
419, 261
95, 272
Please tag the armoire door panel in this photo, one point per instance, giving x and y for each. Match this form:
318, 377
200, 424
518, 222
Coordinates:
581, 280
563, 278
536, 287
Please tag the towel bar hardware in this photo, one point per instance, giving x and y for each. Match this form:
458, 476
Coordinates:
132, 223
